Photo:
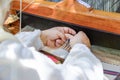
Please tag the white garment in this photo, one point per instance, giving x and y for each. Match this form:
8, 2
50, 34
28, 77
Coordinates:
23, 62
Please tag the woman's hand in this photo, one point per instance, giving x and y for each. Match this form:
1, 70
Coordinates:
55, 37
80, 37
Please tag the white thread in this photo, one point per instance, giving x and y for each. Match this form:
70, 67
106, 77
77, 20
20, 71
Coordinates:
84, 3
23, 10
25, 6
28, 5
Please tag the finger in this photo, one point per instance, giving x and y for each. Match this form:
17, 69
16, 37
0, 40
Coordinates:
62, 36
65, 30
51, 44
73, 32
69, 36
60, 29
69, 31
59, 42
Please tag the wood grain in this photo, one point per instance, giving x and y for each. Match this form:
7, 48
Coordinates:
95, 19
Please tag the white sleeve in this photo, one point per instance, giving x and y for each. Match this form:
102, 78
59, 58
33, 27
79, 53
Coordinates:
11, 68
81, 64
31, 39
18, 62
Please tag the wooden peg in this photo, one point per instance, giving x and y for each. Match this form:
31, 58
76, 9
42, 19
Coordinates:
73, 6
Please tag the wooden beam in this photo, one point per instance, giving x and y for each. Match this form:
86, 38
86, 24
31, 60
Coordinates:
96, 19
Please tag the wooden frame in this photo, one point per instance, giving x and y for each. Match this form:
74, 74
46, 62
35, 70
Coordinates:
91, 18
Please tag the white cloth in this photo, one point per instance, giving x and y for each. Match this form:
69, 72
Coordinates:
23, 62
